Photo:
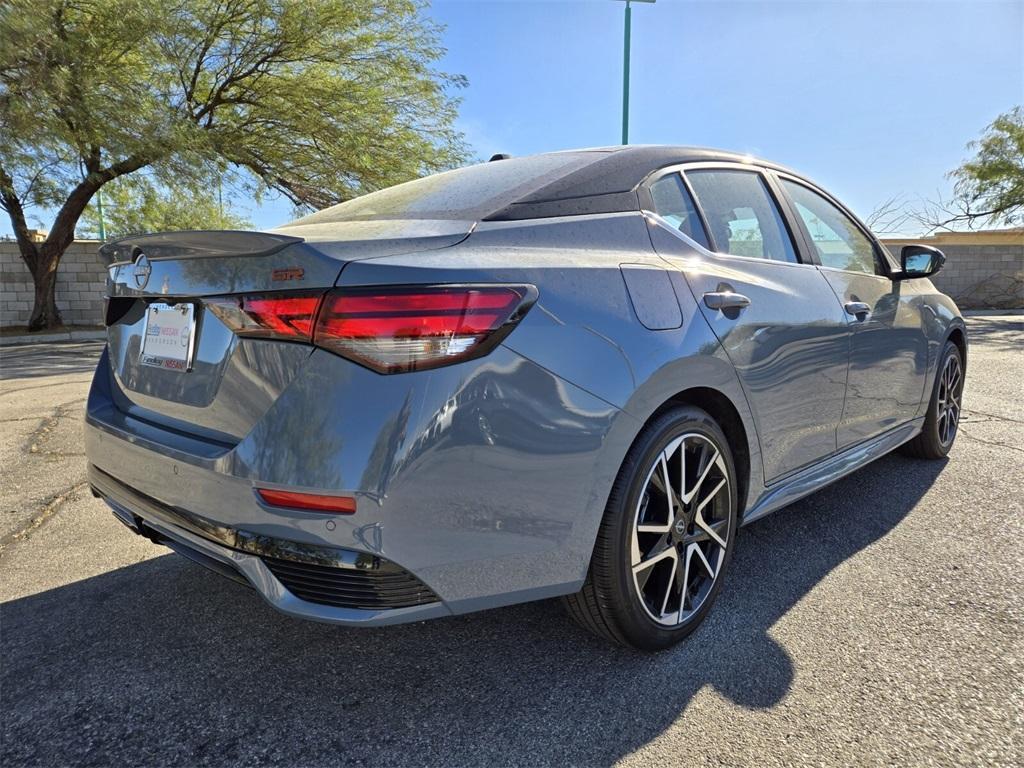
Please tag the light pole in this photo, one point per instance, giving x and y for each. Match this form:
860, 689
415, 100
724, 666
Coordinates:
625, 71
99, 212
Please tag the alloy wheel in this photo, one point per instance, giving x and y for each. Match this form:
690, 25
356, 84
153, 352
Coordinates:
681, 530
950, 393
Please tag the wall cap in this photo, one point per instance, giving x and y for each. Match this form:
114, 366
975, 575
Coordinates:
1014, 236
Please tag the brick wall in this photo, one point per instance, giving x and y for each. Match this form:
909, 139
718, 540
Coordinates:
978, 275
81, 280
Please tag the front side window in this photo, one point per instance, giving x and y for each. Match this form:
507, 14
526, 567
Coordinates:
839, 242
741, 214
673, 203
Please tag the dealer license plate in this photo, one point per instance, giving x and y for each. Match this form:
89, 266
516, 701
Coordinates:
169, 337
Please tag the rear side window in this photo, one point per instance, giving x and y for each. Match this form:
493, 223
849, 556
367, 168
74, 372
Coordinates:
839, 242
465, 194
672, 201
741, 214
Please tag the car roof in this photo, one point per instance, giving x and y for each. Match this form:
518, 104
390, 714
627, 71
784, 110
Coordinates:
609, 184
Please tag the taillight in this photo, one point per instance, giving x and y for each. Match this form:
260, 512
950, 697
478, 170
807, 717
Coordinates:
413, 328
269, 316
386, 329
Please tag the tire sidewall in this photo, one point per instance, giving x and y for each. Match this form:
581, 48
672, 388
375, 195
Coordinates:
931, 423
641, 629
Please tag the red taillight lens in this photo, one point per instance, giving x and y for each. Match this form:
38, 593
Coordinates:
386, 329
270, 316
406, 329
310, 502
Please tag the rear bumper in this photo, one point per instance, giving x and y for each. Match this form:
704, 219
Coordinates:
264, 563
485, 481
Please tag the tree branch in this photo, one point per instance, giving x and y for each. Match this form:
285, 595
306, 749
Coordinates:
889, 217
946, 215
11, 203
63, 231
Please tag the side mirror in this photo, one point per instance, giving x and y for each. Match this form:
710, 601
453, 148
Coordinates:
920, 261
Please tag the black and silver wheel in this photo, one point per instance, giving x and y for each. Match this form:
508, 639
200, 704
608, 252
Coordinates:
666, 536
943, 416
951, 389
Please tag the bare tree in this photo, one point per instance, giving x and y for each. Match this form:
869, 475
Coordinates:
989, 188
890, 216
945, 214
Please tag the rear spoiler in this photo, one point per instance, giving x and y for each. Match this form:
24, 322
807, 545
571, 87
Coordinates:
196, 244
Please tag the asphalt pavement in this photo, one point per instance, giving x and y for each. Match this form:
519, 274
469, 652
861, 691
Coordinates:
878, 621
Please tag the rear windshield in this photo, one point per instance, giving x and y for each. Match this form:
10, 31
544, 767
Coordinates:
466, 193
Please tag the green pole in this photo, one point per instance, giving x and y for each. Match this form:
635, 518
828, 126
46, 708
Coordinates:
625, 78
99, 212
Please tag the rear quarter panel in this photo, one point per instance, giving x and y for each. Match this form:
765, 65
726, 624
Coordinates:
584, 327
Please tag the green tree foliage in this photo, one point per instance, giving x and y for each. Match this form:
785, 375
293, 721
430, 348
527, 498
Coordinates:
319, 100
134, 205
989, 188
992, 184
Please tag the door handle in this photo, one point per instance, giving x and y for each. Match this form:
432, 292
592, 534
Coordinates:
725, 300
858, 309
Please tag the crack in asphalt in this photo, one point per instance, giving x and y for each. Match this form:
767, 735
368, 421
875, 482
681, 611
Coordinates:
993, 416
33, 446
22, 418
60, 411
37, 521
996, 443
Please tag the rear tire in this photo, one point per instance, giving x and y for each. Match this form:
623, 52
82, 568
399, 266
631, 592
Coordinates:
943, 417
660, 555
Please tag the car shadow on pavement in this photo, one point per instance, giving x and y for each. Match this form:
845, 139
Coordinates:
165, 663
1002, 332
37, 360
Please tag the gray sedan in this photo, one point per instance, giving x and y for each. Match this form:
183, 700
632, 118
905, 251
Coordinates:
573, 374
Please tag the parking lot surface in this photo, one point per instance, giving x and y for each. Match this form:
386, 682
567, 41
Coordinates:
878, 621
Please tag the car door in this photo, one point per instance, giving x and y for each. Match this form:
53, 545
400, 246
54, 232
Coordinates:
889, 346
777, 318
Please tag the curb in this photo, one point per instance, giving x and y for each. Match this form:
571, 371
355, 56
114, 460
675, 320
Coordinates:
43, 338
991, 312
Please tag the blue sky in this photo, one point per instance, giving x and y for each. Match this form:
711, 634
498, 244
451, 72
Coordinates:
871, 99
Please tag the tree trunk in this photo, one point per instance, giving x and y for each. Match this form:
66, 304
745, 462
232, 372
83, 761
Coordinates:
45, 314
42, 259
48, 254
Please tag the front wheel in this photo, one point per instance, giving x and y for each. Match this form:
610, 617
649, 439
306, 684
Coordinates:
666, 537
943, 416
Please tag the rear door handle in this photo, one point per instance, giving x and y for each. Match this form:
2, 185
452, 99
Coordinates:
725, 300
857, 308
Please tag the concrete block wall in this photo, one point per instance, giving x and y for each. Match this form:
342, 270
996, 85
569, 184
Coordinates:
81, 280
983, 271
978, 275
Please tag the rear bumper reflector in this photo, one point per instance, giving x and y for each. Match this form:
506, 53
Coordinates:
307, 502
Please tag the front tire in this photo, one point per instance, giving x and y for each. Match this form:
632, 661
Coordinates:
943, 416
666, 537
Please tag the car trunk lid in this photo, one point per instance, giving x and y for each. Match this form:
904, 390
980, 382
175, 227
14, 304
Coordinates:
217, 385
